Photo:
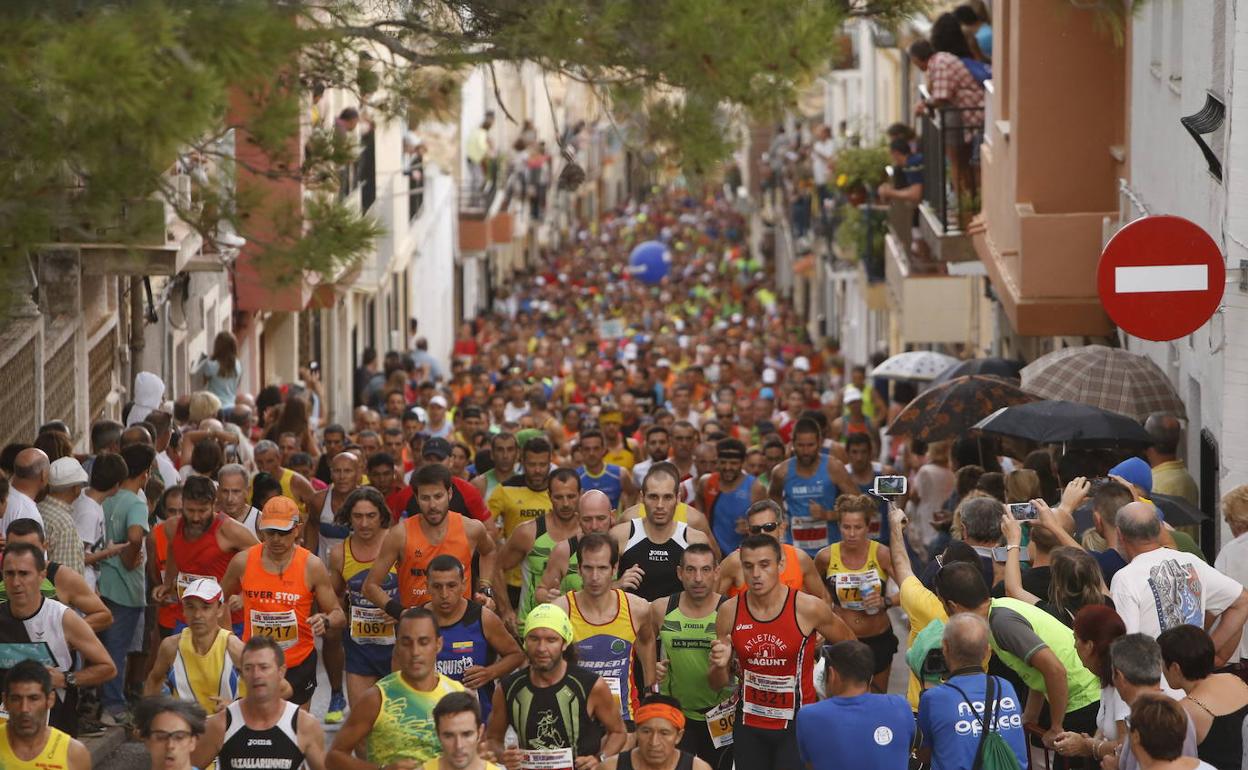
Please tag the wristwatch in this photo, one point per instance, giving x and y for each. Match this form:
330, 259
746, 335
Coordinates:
486, 591
70, 679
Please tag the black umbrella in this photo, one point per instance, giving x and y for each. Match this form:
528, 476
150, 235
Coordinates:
1177, 511
996, 367
1065, 422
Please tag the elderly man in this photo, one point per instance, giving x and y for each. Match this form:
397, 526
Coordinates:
1170, 475
1135, 670
945, 710
66, 478
30, 480
1161, 588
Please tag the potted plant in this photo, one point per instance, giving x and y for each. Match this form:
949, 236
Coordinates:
860, 170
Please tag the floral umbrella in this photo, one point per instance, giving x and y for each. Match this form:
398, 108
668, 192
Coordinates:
951, 409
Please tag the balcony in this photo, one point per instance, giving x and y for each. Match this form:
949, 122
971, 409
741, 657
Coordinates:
483, 222
362, 174
415, 196
951, 180
1050, 171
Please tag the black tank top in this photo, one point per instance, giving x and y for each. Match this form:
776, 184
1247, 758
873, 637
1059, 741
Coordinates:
276, 748
1223, 744
555, 717
659, 561
684, 763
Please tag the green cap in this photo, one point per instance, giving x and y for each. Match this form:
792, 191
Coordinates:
552, 617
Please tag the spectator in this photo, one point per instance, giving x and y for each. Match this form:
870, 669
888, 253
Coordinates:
1161, 588
907, 177
1096, 627
1136, 661
1233, 558
107, 473
978, 32
222, 371
30, 479
837, 726
1041, 461
1215, 703
1157, 736
66, 478
1170, 474
952, 715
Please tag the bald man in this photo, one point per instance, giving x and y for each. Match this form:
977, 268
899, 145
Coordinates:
28, 486
1161, 588
593, 515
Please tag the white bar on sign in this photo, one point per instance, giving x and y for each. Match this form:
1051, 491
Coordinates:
1136, 280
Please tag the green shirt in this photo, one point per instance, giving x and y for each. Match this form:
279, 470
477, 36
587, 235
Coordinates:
686, 644
118, 584
533, 566
1020, 630
404, 726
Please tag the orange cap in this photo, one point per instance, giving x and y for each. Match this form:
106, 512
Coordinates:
280, 513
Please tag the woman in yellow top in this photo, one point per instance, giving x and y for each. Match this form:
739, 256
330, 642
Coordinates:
856, 571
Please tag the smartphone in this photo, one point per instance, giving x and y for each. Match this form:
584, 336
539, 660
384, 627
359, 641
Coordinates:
888, 486
1023, 511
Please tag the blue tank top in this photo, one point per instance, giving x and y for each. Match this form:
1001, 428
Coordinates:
463, 646
608, 482
729, 508
799, 492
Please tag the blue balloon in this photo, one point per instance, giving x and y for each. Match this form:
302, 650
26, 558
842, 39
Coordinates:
650, 262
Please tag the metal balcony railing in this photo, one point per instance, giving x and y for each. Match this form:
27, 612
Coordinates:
950, 139
415, 195
361, 174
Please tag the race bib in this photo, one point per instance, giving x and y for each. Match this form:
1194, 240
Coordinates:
849, 585
547, 759
769, 696
721, 720
808, 534
282, 627
186, 578
370, 625
617, 691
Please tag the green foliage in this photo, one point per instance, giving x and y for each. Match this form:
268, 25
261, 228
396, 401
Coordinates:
852, 236
862, 167
1111, 16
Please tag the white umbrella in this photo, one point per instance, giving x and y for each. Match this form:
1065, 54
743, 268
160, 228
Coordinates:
923, 365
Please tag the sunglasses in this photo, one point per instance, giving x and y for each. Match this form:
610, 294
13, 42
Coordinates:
769, 527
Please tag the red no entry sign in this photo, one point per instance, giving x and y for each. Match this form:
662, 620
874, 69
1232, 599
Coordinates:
1161, 278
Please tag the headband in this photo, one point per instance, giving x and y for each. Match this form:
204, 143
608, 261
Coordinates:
661, 711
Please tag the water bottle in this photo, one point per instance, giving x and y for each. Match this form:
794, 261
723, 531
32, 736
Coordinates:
866, 590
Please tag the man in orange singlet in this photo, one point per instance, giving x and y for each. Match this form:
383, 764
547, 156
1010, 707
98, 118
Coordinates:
279, 579
414, 542
798, 571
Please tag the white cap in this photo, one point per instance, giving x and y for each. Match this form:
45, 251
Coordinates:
66, 472
769, 376
802, 364
205, 588
737, 318
663, 363
851, 394
438, 401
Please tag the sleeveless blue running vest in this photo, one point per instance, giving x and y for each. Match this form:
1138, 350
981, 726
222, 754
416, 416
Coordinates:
800, 492
608, 482
729, 508
463, 646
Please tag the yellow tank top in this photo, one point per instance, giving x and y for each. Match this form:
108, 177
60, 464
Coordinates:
433, 765
197, 677
55, 754
846, 584
622, 457
681, 515
284, 481
367, 623
607, 650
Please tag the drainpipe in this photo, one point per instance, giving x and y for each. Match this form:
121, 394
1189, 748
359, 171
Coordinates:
137, 323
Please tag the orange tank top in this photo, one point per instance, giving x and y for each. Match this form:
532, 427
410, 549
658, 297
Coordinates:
418, 552
278, 606
790, 576
167, 615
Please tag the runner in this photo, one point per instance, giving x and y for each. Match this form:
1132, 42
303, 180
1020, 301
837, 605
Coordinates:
686, 628
530, 545
650, 548
505, 453
465, 499
62, 583
521, 498
409, 547
393, 721
27, 740
593, 513
562, 713
369, 639
613, 480
807, 484
610, 628
658, 444
798, 570
327, 532
725, 495
279, 580
776, 656
660, 730
619, 449
232, 496
268, 456
476, 649
863, 470
171, 728
461, 733
32, 626
202, 543
261, 729
857, 570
